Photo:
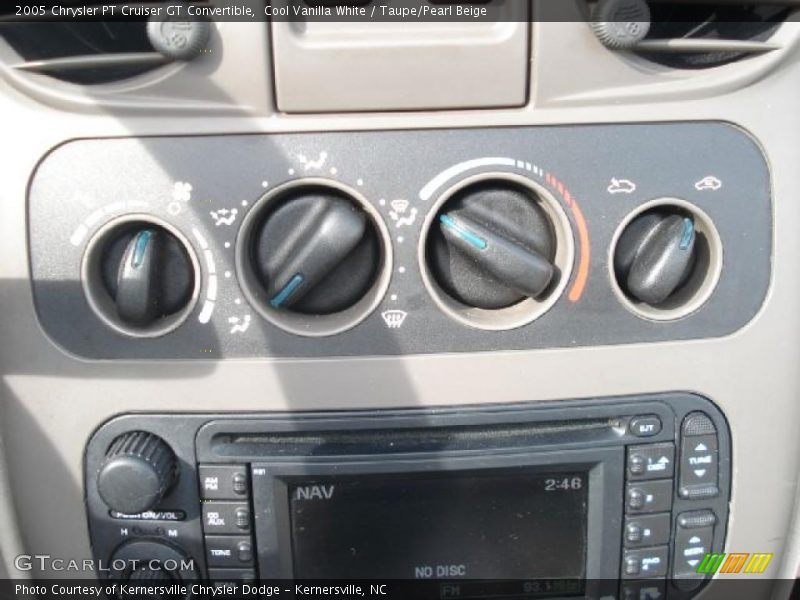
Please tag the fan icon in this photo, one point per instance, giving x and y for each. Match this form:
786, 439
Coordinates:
182, 191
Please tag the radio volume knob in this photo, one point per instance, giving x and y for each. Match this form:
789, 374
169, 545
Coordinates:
138, 470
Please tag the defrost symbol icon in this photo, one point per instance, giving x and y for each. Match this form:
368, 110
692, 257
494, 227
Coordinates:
394, 319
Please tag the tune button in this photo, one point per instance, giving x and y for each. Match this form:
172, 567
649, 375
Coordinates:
229, 551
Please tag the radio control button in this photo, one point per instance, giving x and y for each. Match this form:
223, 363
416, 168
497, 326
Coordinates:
229, 551
697, 423
651, 461
697, 518
226, 517
692, 543
649, 496
643, 590
223, 482
647, 530
645, 563
645, 426
699, 466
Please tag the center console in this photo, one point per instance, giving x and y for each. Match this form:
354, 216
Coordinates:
566, 499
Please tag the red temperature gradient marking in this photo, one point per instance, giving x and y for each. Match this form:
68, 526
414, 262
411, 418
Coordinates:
576, 291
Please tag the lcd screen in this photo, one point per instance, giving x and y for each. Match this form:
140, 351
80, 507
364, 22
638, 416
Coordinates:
509, 525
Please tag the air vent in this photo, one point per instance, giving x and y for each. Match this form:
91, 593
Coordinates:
690, 35
94, 52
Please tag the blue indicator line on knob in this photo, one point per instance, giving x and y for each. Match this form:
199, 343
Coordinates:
287, 291
141, 247
688, 233
463, 233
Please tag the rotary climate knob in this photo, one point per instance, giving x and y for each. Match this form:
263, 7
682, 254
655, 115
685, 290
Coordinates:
655, 255
138, 470
315, 254
147, 273
493, 246
313, 257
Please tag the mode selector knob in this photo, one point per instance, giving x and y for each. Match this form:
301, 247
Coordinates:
138, 470
655, 255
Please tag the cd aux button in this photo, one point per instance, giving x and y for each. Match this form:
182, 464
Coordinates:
226, 517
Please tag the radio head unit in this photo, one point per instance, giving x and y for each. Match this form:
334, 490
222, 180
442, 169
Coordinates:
570, 499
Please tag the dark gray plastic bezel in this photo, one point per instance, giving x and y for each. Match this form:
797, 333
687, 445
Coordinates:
573, 163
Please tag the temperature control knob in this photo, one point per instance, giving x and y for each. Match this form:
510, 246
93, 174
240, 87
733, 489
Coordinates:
138, 470
655, 255
316, 253
147, 273
493, 246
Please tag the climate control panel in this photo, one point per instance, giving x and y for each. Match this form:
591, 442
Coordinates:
385, 243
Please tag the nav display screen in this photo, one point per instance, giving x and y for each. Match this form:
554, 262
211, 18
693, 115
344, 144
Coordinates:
510, 525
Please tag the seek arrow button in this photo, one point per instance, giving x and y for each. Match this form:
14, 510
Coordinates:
691, 544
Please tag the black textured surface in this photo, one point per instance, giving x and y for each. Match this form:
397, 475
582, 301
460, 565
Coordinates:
505, 209
138, 470
171, 274
651, 261
345, 262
